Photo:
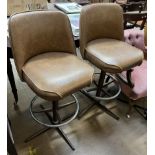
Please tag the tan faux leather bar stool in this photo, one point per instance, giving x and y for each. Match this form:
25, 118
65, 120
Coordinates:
101, 43
45, 58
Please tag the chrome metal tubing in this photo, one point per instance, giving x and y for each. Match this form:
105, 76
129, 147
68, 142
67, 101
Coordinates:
54, 125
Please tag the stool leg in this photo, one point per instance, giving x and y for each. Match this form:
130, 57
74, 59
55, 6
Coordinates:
85, 110
36, 134
102, 107
55, 112
55, 120
63, 135
100, 83
59, 130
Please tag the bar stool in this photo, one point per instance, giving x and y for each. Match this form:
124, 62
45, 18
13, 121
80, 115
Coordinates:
45, 58
101, 43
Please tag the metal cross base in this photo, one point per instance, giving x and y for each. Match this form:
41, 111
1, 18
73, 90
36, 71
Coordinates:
103, 82
98, 104
55, 120
58, 129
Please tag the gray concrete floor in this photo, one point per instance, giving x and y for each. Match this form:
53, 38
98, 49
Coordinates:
95, 134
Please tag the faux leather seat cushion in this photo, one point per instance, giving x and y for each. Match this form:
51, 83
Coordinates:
54, 75
112, 55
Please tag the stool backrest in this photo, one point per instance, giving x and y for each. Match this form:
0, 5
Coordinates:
101, 20
34, 33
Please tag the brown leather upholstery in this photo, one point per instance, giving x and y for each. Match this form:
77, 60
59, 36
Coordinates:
101, 38
33, 33
44, 53
101, 20
56, 74
112, 55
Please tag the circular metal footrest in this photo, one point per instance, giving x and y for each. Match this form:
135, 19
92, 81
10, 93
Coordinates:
47, 111
106, 84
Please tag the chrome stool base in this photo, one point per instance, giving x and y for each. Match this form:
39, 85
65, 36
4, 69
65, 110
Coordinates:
103, 82
54, 118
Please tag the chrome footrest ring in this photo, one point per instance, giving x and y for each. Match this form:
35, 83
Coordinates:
105, 98
54, 125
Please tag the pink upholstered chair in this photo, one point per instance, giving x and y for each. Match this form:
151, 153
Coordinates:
134, 84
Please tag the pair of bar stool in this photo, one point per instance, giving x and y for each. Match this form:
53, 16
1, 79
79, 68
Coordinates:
45, 58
